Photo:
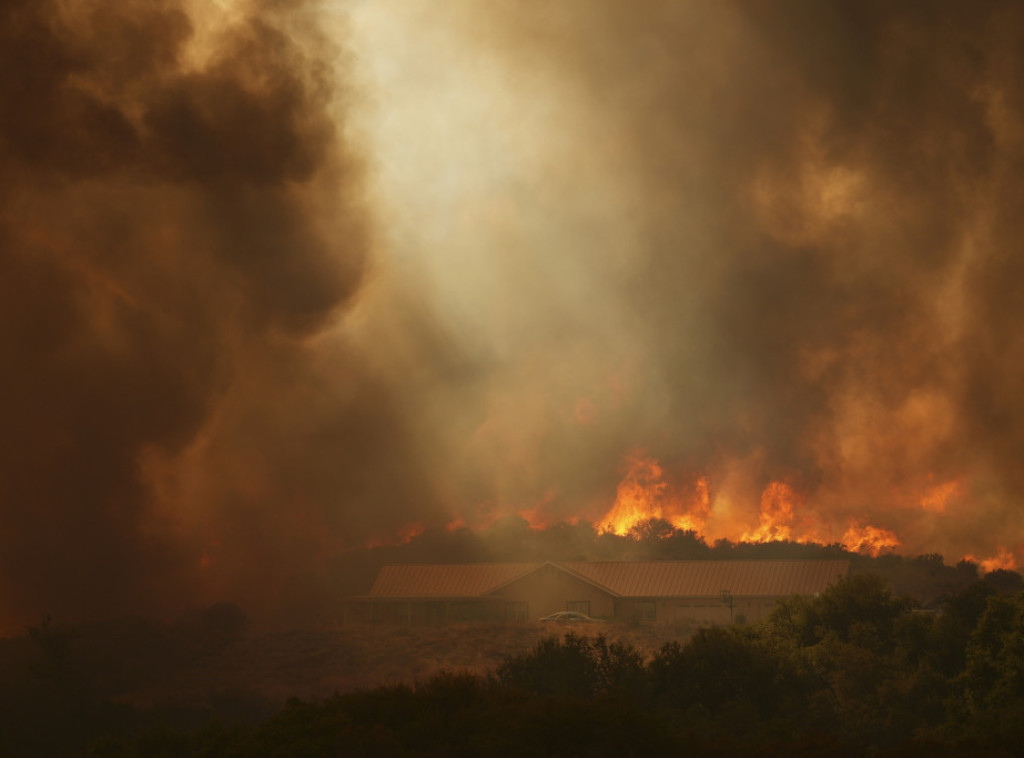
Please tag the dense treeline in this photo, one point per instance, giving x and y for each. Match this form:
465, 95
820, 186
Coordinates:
855, 671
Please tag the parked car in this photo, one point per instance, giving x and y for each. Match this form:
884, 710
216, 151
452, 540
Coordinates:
568, 617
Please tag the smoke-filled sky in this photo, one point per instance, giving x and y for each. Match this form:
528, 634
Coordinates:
284, 278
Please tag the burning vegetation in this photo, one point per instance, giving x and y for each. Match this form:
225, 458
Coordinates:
643, 495
647, 498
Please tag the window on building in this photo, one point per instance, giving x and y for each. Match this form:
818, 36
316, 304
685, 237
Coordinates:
516, 610
578, 606
392, 613
645, 609
468, 611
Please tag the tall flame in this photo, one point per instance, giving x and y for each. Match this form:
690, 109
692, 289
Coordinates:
776, 517
869, 540
643, 495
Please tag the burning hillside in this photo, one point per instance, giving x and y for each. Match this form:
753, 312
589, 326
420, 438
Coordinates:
646, 496
283, 279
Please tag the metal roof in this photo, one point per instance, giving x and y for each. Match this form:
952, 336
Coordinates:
621, 578
709, 578
445, 580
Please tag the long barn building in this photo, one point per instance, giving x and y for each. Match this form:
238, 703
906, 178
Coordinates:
715, 592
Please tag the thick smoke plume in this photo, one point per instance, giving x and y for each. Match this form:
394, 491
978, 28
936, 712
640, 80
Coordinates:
766, 250
179, 219
277, 282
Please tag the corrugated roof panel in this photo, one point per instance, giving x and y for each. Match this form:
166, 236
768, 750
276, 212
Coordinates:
709, 578
623, 578
445, 580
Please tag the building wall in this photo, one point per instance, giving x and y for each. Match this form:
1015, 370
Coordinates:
754, 608
532, 598
357, 612
425, 611
549, 590
698, 610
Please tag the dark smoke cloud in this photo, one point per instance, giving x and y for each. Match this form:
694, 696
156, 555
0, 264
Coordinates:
757, 240
179, 219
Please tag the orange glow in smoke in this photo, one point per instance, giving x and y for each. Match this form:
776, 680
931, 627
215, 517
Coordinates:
481, 522
869, 540
584, 412
938, 497
534, 518
643, 495
402, 536
539, 520
206, 559
539, 516
1003, 560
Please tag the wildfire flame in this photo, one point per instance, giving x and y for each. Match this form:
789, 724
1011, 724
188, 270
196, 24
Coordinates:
537, 519
643, 495
1004, 559
454, 525
869, 540
776, 516
402, 536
